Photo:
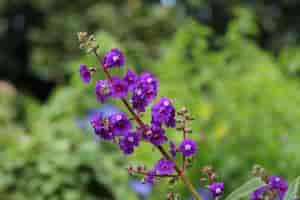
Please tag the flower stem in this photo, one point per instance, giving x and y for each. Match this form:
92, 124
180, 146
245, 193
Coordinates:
183, 177
180, 173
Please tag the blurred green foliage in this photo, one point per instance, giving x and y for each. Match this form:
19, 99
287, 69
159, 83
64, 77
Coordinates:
44, 30
244, 99
52, 26
48, 157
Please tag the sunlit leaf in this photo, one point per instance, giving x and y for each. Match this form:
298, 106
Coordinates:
246, 189
293, 191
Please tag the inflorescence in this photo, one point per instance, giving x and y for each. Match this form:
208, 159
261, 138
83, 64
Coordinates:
138, 92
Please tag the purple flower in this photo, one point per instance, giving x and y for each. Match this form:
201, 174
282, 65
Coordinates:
139, 100
102, 90
128, 142
85, 73
113, 58
217, 188
188, 147
131, 138
279, 185
105, 110
131, 78
144, 92
259, 193
142, 189
164, 167
149, 79
126, 149
102, 127
150, 179
172, 149
157, 136
119, 87
149, 84
164, 111
120, 123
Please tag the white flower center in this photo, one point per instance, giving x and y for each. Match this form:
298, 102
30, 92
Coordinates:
130, 139
139, 92
149, 80
188, 147
149, 133
104, 89
115, 58
218, 190
119, 117
166, 103
277, 179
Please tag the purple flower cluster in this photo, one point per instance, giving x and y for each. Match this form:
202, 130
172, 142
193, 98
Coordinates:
131, 78
116, 127
157, 136
162, 167
121, 124
141, 90
276, 184
144, 91
102, 127
128, 142
144, 87
164, 112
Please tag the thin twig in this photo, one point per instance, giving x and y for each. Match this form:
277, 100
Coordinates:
155, 175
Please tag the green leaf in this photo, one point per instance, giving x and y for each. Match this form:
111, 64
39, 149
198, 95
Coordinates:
246, 189
293, 191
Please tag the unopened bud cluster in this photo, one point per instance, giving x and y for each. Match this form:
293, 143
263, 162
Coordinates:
87, 42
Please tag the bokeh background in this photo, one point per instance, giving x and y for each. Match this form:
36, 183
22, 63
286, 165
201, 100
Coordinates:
235, 64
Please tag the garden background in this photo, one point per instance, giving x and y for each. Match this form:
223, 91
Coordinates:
234, 64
